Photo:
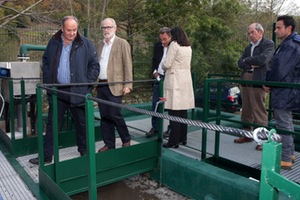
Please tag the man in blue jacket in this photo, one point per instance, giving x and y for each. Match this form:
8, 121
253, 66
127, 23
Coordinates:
285, 68
68, 59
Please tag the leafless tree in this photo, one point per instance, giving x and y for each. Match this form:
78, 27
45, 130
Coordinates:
10, 18
2, 2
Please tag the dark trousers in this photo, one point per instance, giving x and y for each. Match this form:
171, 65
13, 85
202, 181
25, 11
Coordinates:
78, 114
111, 118
178, 130
155, 99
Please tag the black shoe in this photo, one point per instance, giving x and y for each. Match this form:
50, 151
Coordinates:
167, 145
82, 153
35, 161
182, 143
167, 133
151, 133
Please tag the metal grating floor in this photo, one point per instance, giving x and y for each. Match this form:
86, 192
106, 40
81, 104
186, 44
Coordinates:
12, 186
240, 153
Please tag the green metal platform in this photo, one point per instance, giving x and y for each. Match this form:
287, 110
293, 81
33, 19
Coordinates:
233, 172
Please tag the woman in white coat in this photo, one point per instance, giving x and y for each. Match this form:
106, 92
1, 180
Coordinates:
178, 86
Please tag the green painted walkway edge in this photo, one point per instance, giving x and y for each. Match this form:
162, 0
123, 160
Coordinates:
34, 187
199, 180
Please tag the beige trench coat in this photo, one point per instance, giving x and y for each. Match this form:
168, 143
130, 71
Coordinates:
178, 86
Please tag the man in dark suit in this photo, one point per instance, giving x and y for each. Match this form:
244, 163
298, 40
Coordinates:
159, 54
254, 62
115, 66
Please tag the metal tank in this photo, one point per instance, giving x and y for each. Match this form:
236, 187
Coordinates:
15, 71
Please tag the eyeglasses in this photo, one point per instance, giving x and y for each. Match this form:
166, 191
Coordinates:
107, 27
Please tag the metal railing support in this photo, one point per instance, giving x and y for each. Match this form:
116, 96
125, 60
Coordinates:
40, 126
271, 155
90, 131
24, 109
271, 182
55, 135
218, 120
12, 109
205, 118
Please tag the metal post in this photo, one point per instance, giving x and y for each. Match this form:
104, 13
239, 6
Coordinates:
12, 109
206, 93
218, 120
40, 126
23, 111
90, 131
194, 79
160, 129
273, 34
55, 136
271, 157
160, 109
85, 32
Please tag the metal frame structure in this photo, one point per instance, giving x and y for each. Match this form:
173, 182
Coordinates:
206, 178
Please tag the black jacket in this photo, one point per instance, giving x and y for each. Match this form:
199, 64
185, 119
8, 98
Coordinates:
158, 53
261, 57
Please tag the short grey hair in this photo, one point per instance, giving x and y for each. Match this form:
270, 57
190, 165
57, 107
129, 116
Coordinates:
110, 19
65, 18
165, 30
259, 27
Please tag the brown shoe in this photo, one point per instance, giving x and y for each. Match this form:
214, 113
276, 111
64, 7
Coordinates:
126, 144
105, 148
286, 165
242, 140
151, 133
258, 147
293, 159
